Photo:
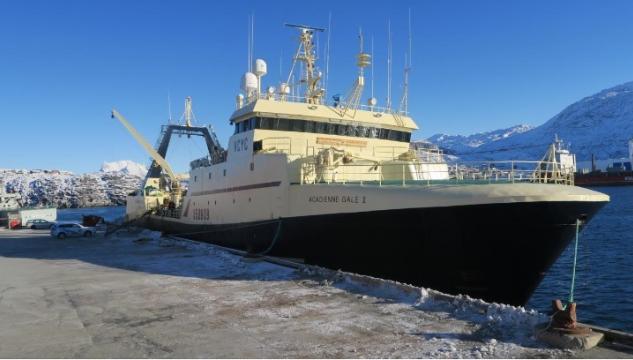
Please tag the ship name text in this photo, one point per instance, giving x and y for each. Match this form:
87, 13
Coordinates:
346, 199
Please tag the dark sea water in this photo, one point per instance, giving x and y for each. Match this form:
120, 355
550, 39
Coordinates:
109, 213
604, 273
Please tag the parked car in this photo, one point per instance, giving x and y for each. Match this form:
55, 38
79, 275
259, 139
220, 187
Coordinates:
64, 230
39, 224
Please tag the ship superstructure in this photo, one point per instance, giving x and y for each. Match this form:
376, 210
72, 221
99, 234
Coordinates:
337, 184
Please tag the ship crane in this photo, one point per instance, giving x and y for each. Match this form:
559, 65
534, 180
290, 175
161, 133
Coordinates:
175, 186
152, 179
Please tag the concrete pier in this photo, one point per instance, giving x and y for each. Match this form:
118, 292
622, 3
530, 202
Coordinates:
124, 297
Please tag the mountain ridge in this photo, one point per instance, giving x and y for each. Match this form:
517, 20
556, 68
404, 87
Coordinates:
599, 124
63, 189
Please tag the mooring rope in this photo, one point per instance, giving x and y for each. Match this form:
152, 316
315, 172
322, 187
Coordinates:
272, 243
573, 272
261, 253
226, 229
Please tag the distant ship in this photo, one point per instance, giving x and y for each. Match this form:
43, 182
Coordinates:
616, 174
336, 184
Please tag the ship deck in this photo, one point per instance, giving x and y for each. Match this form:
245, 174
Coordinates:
124, 297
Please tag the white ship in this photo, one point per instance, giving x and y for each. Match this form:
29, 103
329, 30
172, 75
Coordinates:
336, 184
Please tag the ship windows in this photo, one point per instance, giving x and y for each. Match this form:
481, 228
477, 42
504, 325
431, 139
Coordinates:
309, 126
297, 126
282, 125
320, 127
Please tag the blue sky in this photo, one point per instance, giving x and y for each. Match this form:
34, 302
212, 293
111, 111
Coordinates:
477, 66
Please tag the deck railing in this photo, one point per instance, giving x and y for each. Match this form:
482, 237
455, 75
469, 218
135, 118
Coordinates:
432, 173
336, 104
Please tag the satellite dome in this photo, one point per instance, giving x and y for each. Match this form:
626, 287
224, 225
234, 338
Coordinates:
249, 82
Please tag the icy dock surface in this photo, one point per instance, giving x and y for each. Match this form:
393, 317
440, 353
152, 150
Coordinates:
116, 297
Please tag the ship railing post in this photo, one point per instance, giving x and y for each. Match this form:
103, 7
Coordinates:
403, 178
301, 175
512, 170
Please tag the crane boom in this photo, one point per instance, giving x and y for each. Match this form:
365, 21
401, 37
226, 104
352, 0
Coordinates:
155, 155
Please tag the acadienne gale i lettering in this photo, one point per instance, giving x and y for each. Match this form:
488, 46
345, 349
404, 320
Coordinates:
352, 199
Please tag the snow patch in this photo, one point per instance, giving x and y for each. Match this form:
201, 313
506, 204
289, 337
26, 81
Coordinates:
64, 189
124, 166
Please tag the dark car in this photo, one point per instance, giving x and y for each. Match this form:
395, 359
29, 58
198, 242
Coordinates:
39, 224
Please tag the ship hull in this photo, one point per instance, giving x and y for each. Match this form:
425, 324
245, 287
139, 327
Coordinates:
619, 178
496, 252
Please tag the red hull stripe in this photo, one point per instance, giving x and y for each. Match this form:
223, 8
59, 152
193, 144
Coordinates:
238, 188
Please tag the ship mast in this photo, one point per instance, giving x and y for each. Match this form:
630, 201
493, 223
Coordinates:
353, 98
306, 54
188, 114
404, 101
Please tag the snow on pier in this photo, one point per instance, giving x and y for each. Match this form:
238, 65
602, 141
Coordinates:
139, 295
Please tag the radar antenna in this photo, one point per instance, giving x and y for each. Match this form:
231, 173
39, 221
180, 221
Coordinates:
306, 54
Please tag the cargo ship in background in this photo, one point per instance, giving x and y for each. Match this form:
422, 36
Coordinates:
337, 184
617, 173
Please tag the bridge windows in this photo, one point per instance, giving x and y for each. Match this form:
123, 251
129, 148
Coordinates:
299, 125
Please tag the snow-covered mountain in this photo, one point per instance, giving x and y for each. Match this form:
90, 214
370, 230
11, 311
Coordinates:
64, 189
458, 144
125, 167
600, 124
